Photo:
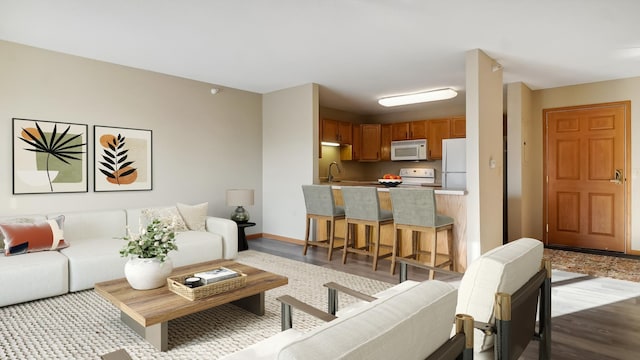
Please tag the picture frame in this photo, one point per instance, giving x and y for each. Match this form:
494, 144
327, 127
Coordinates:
49, 157
122, 159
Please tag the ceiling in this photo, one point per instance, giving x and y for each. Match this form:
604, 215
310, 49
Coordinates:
356, 50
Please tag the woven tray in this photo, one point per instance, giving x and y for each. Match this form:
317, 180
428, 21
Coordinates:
176, 284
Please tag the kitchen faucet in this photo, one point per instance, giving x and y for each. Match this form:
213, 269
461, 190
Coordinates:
330, 177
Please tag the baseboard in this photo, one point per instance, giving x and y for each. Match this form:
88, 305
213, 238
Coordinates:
282, 238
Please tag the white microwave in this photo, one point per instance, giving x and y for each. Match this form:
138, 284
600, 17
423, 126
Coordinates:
409, 150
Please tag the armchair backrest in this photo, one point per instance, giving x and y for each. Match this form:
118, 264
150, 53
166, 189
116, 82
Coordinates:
504, 269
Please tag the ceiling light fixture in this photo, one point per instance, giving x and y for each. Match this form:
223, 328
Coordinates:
420, 97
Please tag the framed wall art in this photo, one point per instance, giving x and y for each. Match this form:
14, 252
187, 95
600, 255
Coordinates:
122, 159
49, 157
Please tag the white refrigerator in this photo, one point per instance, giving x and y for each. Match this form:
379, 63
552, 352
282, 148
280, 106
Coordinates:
454, 164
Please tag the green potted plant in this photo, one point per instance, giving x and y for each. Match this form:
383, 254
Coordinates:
148, 265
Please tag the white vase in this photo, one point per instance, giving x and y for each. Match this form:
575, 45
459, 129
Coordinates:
145, 274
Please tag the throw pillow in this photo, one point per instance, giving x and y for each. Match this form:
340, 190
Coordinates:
20, 238
194, 216
18, 220
169, 214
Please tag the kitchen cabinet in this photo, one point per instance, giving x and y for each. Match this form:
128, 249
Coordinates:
418, 129
336, 131
385, 142
409, 130
439, 129
458, 127
400, 131
370, 144
356, 146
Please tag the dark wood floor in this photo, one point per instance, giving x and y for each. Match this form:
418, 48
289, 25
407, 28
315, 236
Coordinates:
604, 332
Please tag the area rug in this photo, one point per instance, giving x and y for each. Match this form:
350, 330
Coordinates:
595, 265
83, 325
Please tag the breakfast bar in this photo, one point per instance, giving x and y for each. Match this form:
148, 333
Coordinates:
450, 202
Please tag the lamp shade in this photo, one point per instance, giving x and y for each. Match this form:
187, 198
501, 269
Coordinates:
239, 197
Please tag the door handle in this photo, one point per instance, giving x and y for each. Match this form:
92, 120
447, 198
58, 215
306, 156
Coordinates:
617, 177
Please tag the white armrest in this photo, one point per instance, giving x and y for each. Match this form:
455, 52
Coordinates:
228, 229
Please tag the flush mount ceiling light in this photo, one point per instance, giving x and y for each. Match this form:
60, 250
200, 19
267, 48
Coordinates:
420, 97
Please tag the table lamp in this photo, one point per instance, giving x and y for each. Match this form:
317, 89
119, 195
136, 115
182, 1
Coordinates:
240, 198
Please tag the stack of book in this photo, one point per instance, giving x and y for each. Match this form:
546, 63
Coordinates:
215, 275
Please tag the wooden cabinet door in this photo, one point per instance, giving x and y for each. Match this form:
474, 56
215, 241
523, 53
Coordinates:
458, 127
344, 132
586, 176
370, 142
385, 142
356, 148
418, 129
330, 130
438, 130
400, 131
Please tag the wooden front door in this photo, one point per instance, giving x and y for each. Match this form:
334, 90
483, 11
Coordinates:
586, 163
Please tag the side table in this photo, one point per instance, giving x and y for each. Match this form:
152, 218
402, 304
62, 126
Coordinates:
242, 238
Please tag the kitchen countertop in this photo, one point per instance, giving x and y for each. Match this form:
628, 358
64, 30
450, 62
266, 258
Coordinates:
437, 189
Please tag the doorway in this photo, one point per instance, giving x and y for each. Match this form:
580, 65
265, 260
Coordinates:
587, 152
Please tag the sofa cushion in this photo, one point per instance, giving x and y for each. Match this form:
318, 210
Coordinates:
194, 215
33, 276
266, 349
195, 247
503, 269
415, 322
169, 214
20, 238
94, 260
80, 225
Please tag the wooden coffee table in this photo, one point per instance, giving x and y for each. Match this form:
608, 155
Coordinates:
148, 311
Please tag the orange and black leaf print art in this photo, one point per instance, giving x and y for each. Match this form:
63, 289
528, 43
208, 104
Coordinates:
115, 167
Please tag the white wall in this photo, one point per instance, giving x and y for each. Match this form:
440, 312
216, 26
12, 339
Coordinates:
484, 146
290, 157
202, 144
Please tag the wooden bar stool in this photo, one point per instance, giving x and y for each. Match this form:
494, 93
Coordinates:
415, 210
362, 207
321, 207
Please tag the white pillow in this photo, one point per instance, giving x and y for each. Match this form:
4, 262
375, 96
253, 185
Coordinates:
194, 216
503, 269
169, 214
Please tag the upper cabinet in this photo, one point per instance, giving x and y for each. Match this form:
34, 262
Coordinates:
385, 142
439, 129
370, 145
418, 129
458, 127
409, 130
337, 131
400, 131
356, 147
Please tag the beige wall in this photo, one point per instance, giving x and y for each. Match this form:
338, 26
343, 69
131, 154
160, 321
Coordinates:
600, 92
484, 154
289, 157
519, 166
202, 144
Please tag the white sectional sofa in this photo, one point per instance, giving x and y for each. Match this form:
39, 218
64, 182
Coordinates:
94, 239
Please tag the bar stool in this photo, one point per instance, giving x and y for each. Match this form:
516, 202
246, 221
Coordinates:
321, 206
362, 207
415, 210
